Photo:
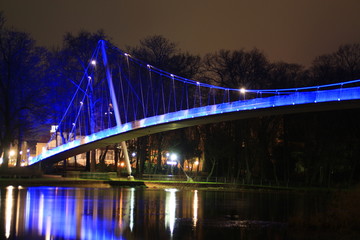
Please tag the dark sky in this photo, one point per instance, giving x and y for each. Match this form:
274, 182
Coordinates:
294, 31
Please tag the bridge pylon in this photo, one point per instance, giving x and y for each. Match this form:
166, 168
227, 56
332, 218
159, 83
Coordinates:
116, 108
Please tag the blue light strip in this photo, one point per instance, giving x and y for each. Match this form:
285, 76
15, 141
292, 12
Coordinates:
296, 98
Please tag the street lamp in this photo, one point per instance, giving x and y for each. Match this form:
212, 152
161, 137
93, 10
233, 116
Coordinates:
171, 160
243, 91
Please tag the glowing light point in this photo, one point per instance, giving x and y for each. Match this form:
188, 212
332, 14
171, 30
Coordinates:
172, 75
81, 103
173, 157
11, 153
93, 62
242, 90
89, 78
73, 124
197, 83
148, 66
126, 54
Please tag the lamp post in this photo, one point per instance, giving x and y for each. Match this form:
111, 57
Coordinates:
172, 160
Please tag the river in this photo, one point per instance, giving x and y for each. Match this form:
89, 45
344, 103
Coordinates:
140, 213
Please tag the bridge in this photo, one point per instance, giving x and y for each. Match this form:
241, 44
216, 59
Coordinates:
121, 98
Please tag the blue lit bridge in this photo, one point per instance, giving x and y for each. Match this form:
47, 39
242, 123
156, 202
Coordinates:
121, 98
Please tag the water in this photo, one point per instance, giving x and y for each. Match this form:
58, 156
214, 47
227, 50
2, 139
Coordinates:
137, 213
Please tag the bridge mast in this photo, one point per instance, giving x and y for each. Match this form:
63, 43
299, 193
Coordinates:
115, 106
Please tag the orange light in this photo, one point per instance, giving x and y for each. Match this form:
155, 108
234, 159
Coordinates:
122, 164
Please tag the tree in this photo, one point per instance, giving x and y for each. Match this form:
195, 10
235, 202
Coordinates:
237, 69
164, 54
22, 87
342, 65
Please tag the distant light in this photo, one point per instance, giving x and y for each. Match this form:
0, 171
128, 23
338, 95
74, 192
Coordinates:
20, 152
81, 103
171, 162
11, 153
196, 163
28, 150
53, 128
197, 83
127, 55
133, 154
173, 157
122, 164
242, 90
30, 158
89, 78
172, 75
93, 62
148, 66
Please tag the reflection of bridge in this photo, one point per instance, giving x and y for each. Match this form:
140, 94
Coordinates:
124, 98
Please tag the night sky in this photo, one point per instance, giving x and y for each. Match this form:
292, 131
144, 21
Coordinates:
294, 31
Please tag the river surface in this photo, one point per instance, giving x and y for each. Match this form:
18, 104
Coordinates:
139, 213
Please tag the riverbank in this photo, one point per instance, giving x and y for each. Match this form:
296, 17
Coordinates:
60, 181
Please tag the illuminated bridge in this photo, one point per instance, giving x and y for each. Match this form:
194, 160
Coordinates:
120, 98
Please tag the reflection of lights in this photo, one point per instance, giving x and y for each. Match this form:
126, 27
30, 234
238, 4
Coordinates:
8, 210
132, 204
170, 209
41, 213
48, 228
195, 208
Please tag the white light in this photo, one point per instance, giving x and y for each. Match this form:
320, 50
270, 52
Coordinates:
171, 163
148, 66
20, 152
28, 150
173, 157
93, 62
126, 54
196, 163
133, 154
197, 83
172, 75
53, 128
243, 90
89, 78
81, 103
11, 153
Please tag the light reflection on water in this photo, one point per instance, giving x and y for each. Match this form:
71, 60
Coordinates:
129, 213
